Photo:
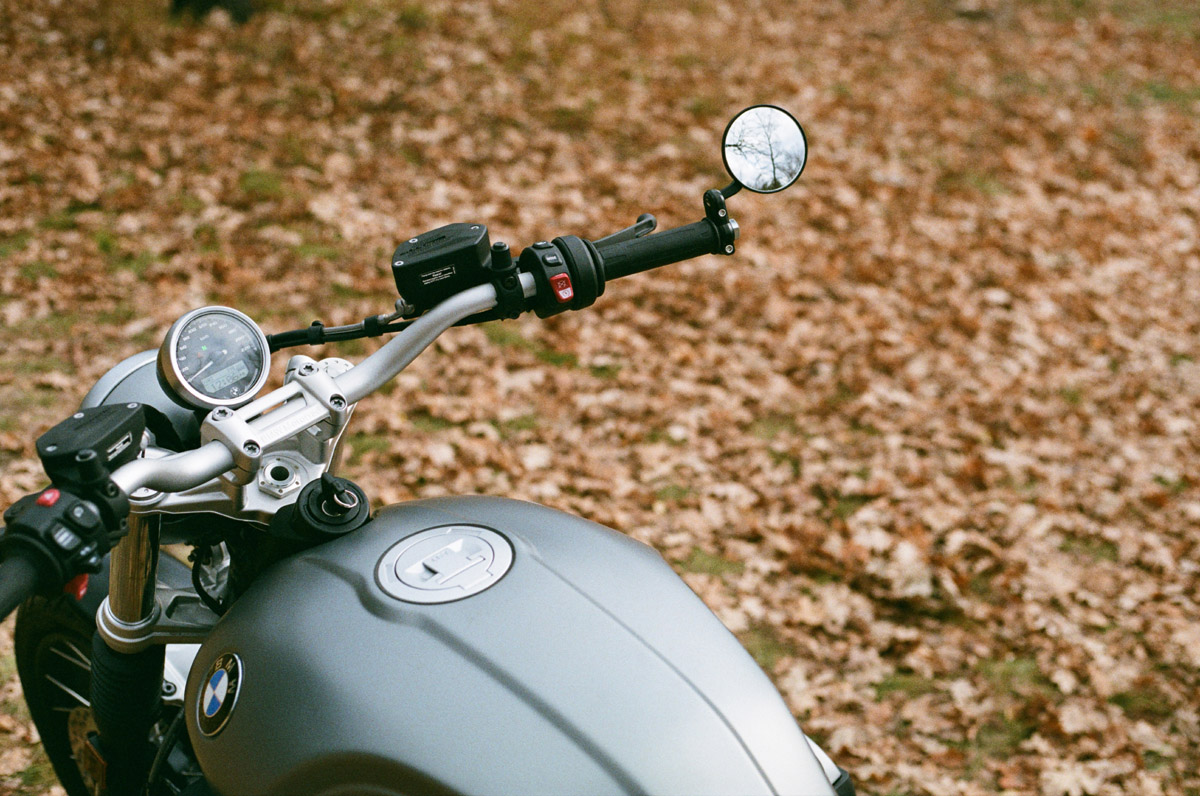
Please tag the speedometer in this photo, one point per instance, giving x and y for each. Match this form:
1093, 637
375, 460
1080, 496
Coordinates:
214, 356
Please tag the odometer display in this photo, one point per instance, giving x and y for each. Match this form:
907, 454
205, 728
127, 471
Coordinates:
214, 357
226, 376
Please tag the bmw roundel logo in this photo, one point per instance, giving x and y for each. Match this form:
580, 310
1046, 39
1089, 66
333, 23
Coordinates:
219, 694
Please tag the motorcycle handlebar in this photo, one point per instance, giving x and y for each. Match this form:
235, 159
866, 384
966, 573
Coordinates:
18, 581
662, 248
189, 469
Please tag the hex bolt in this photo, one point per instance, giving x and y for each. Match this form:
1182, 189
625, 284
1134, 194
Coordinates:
78, 416
308, 369
722, 213
412, 240
221, 413
729, 249
337, 402
250, 448
111, 490
168, 688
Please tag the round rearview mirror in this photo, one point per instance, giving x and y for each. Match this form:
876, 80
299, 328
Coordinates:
764, 149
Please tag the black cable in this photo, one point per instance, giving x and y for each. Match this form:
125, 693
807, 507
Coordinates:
198, 560
164, 750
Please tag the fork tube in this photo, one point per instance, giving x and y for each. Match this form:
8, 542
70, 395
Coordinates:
134, 570
125, 685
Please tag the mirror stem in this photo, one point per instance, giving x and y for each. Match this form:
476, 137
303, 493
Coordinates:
730, 189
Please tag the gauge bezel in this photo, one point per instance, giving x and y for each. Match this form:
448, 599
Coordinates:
168, 362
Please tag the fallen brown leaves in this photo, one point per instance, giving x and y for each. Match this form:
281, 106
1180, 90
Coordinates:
927, 443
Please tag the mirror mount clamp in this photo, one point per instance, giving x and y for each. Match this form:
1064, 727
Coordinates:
716, 212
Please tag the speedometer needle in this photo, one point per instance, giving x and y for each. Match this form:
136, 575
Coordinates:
206, 367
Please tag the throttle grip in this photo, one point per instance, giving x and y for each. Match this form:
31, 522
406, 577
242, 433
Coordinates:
662, 248
18, 581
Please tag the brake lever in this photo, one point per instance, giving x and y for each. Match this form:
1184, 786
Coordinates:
645, 224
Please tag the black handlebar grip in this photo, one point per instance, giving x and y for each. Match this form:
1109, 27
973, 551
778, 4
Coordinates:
662, 248
18, 581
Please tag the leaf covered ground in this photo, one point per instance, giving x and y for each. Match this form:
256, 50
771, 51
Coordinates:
927, 443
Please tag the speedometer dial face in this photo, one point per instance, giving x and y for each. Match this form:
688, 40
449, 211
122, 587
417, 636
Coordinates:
214, 357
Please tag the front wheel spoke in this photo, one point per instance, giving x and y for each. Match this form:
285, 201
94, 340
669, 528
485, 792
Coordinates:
78, 658
69, 691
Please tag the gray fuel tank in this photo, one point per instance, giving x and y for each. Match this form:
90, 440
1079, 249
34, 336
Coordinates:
584, 667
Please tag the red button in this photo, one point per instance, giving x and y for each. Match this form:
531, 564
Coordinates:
77, 586
561, 284
49, 497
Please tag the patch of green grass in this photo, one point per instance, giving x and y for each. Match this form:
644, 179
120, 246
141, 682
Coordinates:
38, 269
39, 775
672, 492
703, 107
1096, 548
1000, 737
55, 325
320, 251
189, 203
981, 585
510, 336
14, 244
846, 505
765, 645
575, 121
364, 442
261, 185
1144, 702
784, 457
1156, 761
50, 364
137, 263
1023, 83
911, 685
120, 313
425, 422
60, 221
605, 371
1174, 486
560, 359
709, 564
1161, 91
206, 238
1072, 395
413, 17
106, 241
973, 180
1017, 676
771, 426
518, 424
842, 506
501, 334
870, 429
347, 292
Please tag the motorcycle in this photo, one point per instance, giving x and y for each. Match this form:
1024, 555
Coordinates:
311, 645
